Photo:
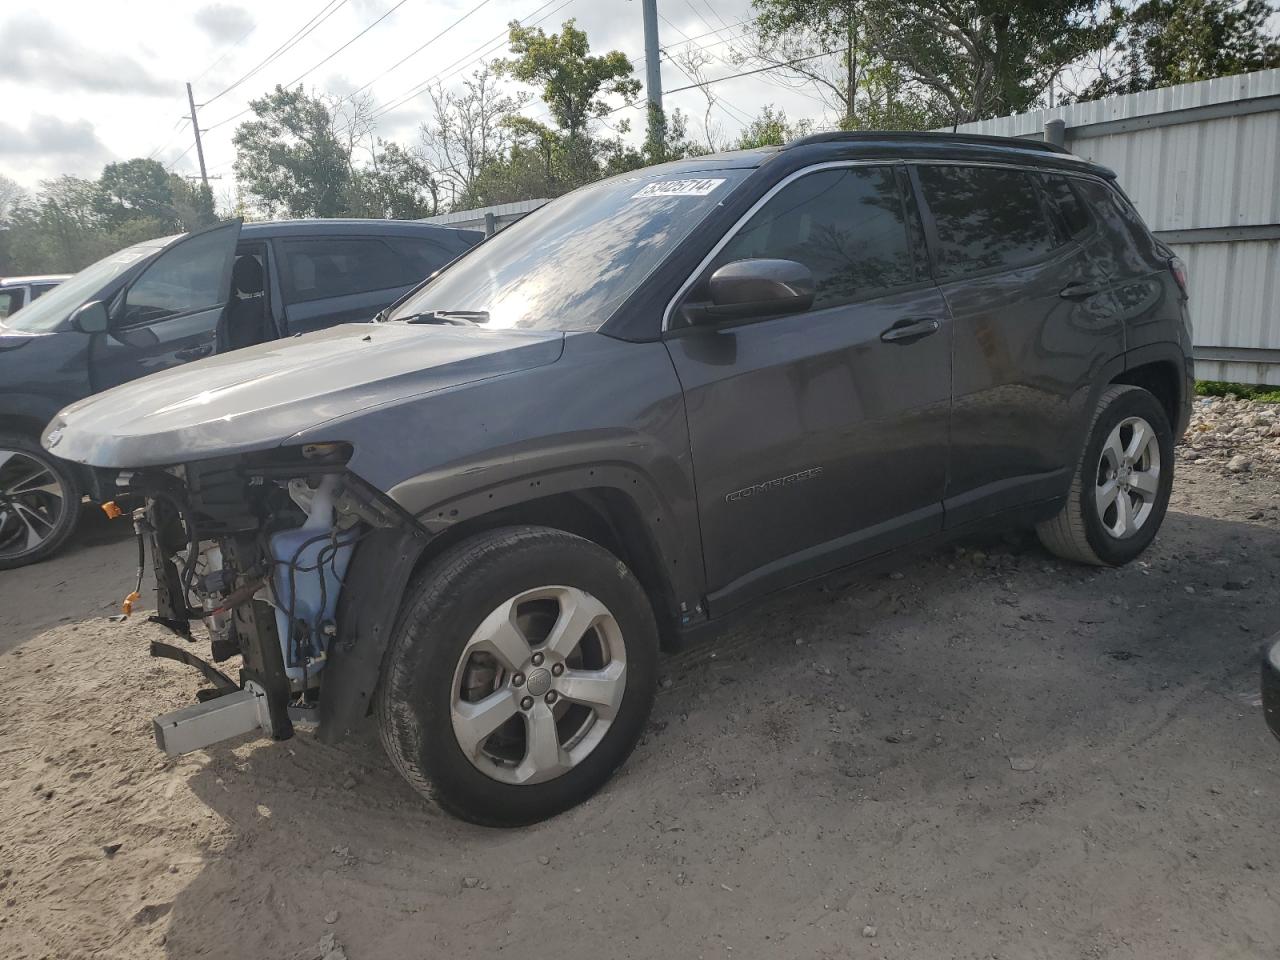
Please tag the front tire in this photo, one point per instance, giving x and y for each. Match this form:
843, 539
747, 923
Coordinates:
39, 502
520, 674
1120, 490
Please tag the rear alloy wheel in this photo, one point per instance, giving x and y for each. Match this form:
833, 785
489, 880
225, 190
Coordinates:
1121, 488
1127, 486
520, 674
39, 502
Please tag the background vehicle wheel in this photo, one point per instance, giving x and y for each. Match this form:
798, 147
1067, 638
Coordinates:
1121, 486
39, 502
520, 675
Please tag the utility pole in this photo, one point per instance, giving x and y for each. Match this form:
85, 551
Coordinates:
653, 78
195, 125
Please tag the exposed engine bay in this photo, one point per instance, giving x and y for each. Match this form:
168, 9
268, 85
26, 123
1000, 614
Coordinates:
257, 549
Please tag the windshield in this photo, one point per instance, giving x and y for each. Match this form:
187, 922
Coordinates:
47, 313
569, 265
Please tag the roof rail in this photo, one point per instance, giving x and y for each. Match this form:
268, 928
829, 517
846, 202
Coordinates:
855, 136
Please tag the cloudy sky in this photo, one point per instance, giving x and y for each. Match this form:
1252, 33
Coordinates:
84, 83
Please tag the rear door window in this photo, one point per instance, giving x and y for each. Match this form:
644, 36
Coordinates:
987, 218
847, 225
338, 266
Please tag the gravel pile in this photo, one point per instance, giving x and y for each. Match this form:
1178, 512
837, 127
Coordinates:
1240, 435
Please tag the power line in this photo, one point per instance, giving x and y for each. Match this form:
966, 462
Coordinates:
226, 53
700, 47
329, 9
735, 76
748, 73
418, 50
484, 50
706, 47
174, 162
172, 137
350, 42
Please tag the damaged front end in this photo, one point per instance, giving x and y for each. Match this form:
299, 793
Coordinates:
260, 548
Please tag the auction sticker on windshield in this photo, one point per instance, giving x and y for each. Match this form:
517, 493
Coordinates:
678, 188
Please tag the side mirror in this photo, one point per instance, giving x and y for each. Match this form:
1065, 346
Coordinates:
91, 317
755, 288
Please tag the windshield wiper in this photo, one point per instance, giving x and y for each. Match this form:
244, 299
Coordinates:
459, 318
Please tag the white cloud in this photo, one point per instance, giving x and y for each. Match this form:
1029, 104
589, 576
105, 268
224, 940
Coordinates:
223, 22
40, 55
50, 146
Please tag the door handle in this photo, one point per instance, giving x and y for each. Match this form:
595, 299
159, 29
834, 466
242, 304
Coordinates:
909, 331
1079, 291
193, 353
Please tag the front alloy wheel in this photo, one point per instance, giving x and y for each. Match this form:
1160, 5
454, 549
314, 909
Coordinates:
521, 671
539, 684
39, 503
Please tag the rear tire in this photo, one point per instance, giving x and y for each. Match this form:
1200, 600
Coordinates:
39, 502
520, 674
1120, 490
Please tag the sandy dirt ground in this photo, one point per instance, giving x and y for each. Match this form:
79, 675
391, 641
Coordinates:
984, 754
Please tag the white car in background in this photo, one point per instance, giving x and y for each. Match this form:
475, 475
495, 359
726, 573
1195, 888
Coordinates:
17, 292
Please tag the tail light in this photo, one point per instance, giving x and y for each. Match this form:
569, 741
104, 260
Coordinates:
1179, 271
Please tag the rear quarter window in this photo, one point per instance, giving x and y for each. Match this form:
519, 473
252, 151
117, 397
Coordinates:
1131, 242
986, 217
422, 257
327, 267
10, 301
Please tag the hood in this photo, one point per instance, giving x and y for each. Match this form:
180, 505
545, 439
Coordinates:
256, 398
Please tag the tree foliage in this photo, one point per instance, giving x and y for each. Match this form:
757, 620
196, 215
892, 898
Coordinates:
1164, 42
574, 83
921, 62
290, 158
771, 128
547, 159
73, 221
468, 130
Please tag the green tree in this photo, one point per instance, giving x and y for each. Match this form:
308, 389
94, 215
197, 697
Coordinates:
397, 184
468, 130
192, 203
135, 188
962, 60
291, 158
546, 160
12, 196
771, 128
1164, 42
574, 83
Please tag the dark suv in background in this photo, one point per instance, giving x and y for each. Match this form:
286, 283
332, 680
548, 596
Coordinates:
167, 302
653, 401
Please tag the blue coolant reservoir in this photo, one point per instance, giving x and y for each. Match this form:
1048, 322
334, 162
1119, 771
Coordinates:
310, 562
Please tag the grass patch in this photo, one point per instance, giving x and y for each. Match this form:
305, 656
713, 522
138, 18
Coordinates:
1242, 391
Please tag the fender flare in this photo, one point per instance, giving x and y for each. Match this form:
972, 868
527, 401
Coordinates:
672, 528
367, 609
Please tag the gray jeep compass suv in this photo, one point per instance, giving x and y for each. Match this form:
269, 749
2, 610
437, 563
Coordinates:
655, 400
